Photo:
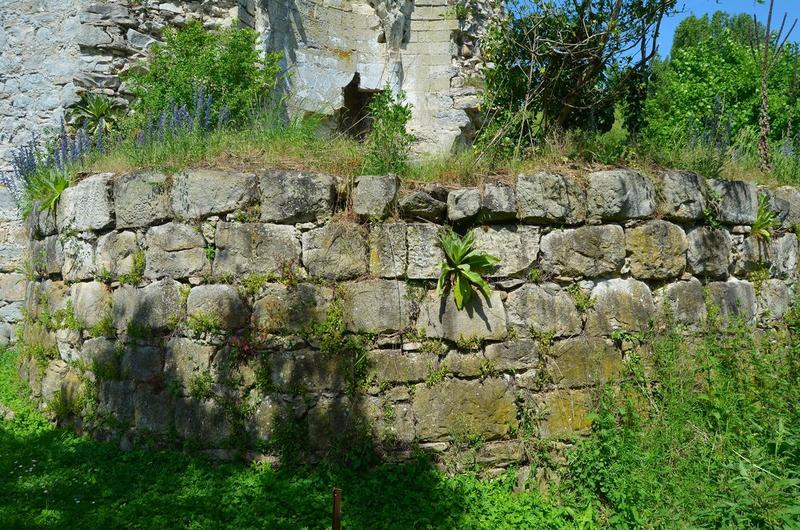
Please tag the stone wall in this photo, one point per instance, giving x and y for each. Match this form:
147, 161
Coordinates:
208, 306
13, 242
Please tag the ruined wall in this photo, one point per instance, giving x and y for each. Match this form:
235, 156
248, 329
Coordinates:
186, 308
13, 243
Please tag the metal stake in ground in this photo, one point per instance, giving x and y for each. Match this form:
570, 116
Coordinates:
337, 509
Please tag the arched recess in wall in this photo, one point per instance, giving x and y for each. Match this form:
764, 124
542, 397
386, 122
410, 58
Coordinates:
354, 118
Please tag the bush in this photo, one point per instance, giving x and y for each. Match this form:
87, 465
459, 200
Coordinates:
388, 142
226, 64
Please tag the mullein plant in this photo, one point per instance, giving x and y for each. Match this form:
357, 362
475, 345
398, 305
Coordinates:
464, 267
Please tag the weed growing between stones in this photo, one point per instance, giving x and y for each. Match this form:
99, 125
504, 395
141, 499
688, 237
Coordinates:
134, 277
758, 277
712, 210
436, 374
766, 220
200, 323
464, 267
583, 299
201, 386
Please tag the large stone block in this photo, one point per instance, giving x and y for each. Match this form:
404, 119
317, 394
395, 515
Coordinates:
543, 310
774, 299
295, 197
309, 369
685, 301
550, 198
377, 306
79, 261
709, 252
291, 308
115, 400
375, 196
100, 355
186, 358
388, 250
791, 196
203, 192
395, 366
47, 255
738, 201
566, 413
142, 363
244, 248
456, 407
220, 302
463, 204
422, 205
141, 199
618, 195
586, 251
337, 251
513, 356
154, 307
175, 250
734, 299
152, 411
115, 253
479, 319
91, 302
620, 304
584, 361
12, 287
682, 198
516, 246
202, 421
86, 206
657, 250
499, 202
424, 253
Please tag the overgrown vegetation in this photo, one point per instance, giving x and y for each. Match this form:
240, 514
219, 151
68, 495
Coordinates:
464, 267
388, 142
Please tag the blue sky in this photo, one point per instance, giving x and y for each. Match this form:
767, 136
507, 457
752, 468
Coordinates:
699, 7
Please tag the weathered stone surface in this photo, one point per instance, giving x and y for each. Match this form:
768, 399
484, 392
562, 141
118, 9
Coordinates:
550, 198
86, 206
154, 307
500, 454
91, 302
779, 204
47, 255
544, 310
78, 260
40, 223
499, 202
586, 251
12, 287
791, 196
336, 251
11, 312
464, 407
620, 304
480, 319
513, 356
461, 364
115, 400
60, 380
421, 205
620, 194
142, 363
388, 250
100, 354
141, 199
12, 245
783, 256
377, 306
375, 196
774, 299
709, 252
682, 196
175, 250
244, 248
684, 300
220, 302
290, 308
566, 412
738, 201
516, 246
204, 421
203, 192
186, 358
424, 252
657, 250
295, 197
308, 369
115, 252
395, 366
584, 361
734, 298
152, 411
463, 204
778, 255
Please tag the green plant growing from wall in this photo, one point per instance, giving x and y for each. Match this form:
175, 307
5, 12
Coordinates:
583, 299
137, 269
95, 111
463, 267
388, 142
765, 221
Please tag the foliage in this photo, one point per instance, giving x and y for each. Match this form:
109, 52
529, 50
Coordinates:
583, 298
200, 323
463, 267
134, 277
95, 111
201, 386
226, 65
388, 142
766, 220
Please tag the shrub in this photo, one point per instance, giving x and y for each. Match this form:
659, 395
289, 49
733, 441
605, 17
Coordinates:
388, 143
463, 266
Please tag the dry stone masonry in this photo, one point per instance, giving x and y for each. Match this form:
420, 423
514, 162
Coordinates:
201, 307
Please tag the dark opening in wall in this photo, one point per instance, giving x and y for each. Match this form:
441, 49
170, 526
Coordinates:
354, 119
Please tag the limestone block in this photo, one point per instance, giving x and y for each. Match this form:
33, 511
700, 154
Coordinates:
78, 260
734, 299
375, 196
395, 366
60, 379
709, 252
657, 250
377, 306
513, 356
620, 194
549, 198
91, 302
12, 245
202, 421
516, 246
12, 287
141, 199
142, 363
738, 201
154, 307
567, 413
100, 355
152, 411
465, 364
479, 319
308, 369
175, 250
388, 250
544, 310
499, 202
779, 204
41, 223
337, 251
291, 308
682, 198
422, 205
500, 454
185, 358
424, 253
200, 193
684, 300
584, 361
115, 252
47, 255
774, 299
620, 304
86, 206
586, 251
115, 400
783, 256
221, 302
791, 196
8, 206
244, 248
463, 205
295, 197
267, 410
456, 407
11, 312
